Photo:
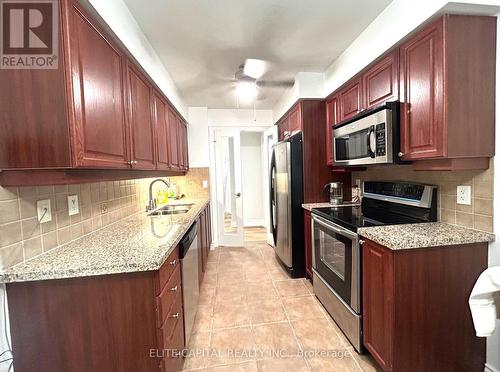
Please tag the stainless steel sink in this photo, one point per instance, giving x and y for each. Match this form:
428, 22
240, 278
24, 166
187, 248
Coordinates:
171, 209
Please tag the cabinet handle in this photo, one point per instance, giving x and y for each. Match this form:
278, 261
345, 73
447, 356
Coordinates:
173, 263
175, 316
361, 242
401, 154
135, 162
130, 162
173, 289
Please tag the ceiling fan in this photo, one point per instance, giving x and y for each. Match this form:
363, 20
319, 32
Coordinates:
249, 77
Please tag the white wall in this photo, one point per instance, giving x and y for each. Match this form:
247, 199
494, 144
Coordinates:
198, 137
239, 118
117, 15
252, 174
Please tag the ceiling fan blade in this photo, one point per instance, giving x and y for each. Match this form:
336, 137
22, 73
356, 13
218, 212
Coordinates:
275, 83
255, 68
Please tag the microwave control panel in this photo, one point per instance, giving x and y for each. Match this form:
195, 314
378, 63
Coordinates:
381, 140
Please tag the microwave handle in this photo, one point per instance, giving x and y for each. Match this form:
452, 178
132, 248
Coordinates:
368, 145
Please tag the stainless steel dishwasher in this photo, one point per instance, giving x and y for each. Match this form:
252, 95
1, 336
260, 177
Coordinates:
189, 251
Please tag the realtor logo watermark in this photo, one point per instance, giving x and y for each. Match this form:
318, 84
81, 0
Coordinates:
29, 34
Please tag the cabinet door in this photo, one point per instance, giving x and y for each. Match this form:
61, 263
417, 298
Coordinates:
201, 257
99, 135
378, 303
350, 99
172, 127
162, 139
294, 120
380, 82
422, 81
308, 243
186, 148
332, 106
142, 131
180, 142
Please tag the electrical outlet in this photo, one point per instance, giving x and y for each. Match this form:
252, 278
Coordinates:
464, 195
73, 207
44, 211
104, 208
205, 184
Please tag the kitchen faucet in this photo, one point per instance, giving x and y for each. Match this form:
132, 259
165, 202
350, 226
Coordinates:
152, 201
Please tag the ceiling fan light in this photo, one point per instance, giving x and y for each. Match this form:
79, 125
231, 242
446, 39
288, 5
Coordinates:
246, 91
254, 68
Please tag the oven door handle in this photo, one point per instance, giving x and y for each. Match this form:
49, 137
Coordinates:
338, 230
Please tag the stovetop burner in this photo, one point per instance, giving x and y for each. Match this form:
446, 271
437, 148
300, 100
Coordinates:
386, 203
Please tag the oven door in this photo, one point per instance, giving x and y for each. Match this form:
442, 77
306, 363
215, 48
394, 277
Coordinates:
336, 259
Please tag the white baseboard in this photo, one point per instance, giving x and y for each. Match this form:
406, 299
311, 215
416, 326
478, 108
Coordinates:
490, 368
254, 222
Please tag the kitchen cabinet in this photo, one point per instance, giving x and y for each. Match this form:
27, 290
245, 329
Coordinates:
142, 130
204, 240
350, 99
308, 244
182, 145
162, 133
447, 72
99, 323
294, 121
283, 128
415, 307
332, 115
97, 111
380, 81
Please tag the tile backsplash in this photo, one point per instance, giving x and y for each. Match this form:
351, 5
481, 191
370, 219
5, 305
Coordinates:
100, 204
479, 215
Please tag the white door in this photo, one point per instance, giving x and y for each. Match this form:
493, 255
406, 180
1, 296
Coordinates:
228, 184
270, 137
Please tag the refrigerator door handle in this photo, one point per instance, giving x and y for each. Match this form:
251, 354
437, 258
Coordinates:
272, 198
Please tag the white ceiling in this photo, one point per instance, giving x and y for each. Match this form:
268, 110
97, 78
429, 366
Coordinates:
202, 42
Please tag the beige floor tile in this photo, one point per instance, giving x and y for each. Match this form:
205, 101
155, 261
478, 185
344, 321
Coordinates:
229, 314
234, 345
266, 310
198, 351
207, 296
260, 290
203, 320
210, 280
230, 291
274, 338
257, 274
317, 334
365, 361
292, 287
309, 286
337, 363
282, 365
302, 308
228, 277
250, 366
278, 274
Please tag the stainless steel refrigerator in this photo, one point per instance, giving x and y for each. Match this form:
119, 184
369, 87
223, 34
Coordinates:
287, 195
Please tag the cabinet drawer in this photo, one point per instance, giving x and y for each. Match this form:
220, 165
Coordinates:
168, 296
169, 326
172, 339
166, 270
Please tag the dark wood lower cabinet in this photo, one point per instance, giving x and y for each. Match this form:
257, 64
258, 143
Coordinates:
103, 323
204, 240
308, 243
416, 316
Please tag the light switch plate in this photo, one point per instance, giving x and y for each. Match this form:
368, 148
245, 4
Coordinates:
464, 195
73, 205
44, 211
205, 184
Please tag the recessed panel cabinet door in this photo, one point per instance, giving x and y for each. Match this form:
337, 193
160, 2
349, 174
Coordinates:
331, 119
186, 149
97, 73
162, 138
294, 120
180, 142
351, 102
380, 82
141, 123
173, 129
422, 84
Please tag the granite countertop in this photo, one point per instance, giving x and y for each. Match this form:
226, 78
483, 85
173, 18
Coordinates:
310, 206
422, 235
136, 243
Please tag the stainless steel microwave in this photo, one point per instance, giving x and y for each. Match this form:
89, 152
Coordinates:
371, 137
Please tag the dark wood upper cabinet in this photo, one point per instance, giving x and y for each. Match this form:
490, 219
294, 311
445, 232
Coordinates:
95, 112
447, 74
141, 122
99, 127
350, 99
294, 121
380, 81
173, 126
422, 81
332, 115
162, 137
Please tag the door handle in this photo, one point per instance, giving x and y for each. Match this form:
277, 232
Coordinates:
238, 194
